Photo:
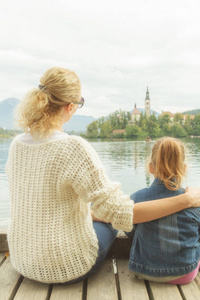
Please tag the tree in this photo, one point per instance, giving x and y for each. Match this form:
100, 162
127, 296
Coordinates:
142, 120
144, 124
119, 119
132, 130
178, 118
153, 128
189, 126
178, 131
197, 125
105, 129
166, 130
93, 130
163, 120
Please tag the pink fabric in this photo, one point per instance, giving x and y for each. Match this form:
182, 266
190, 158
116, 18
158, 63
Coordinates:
186, 278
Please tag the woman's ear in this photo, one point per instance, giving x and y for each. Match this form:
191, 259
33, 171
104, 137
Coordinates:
151, 168
69, 108
68, 112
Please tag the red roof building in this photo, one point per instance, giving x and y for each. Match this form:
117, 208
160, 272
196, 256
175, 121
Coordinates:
167, 113
187, 116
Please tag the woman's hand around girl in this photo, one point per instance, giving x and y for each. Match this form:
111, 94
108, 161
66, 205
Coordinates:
194, 196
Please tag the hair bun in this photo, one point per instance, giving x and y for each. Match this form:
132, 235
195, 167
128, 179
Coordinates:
41, 87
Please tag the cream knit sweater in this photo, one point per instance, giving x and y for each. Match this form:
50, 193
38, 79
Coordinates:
51, 236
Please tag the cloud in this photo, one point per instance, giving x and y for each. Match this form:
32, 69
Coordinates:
116, 48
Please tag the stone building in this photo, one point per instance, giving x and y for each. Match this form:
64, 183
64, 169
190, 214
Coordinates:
135, 116
171, 116
147, 104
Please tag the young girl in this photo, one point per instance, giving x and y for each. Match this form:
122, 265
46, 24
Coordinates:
168, 249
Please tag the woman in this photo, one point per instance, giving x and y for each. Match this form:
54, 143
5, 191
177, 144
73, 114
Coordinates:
53, 179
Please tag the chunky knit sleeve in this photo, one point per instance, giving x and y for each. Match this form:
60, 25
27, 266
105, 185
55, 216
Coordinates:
92, 184
7, 166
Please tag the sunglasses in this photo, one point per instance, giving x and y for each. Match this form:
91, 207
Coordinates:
80, 103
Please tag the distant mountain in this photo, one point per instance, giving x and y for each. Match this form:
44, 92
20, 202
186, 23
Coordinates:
77, 123
192, 112
7, 108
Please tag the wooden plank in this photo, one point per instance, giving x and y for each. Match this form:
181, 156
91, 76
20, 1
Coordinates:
190, 291
2, 258
102, 285
9, 280
130, 286
164, 291
3, 240
32, 290
67, 292
197, 280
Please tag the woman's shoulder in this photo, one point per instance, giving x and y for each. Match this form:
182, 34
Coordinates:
15, 140
81, 143
77, 139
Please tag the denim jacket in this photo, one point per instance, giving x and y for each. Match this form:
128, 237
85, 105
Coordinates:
168, 246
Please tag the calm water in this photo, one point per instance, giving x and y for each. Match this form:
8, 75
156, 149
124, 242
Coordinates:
124, 161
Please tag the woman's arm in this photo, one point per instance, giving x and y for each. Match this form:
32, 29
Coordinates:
91, 183
94, 218
155, 209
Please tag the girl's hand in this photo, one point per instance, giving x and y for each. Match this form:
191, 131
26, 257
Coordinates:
194, 195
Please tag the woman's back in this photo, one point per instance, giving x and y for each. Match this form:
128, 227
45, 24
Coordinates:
47, 213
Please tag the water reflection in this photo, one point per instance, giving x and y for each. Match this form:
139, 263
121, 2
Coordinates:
124, 161
127, 162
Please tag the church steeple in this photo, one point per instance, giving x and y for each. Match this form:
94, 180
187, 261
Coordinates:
147, 94
147, 104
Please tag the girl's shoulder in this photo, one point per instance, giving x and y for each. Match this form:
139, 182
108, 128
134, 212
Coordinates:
141, 195
156, 190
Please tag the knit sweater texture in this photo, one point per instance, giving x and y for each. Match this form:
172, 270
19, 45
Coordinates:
52, 185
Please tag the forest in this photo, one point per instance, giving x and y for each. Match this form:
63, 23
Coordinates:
152, 127
6, 133
119, 125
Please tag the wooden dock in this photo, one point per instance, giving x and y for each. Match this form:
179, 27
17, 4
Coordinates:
103, 285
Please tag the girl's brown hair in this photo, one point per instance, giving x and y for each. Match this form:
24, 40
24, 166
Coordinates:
167, 159
39, 112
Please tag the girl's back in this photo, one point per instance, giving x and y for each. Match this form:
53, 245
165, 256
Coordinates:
168, 246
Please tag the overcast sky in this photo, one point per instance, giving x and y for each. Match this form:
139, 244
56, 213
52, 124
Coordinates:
117, 48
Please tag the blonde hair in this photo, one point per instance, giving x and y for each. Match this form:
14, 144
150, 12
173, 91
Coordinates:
167, 159
39, 111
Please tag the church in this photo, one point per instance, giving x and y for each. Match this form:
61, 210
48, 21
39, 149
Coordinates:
135, 115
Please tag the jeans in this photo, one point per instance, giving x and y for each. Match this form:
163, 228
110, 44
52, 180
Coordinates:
106, 235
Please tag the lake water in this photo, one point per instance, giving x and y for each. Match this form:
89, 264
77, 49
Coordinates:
124, 161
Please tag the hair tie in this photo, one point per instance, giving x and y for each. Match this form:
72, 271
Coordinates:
41, 87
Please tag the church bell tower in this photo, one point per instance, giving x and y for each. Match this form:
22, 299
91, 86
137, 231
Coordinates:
147, 105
